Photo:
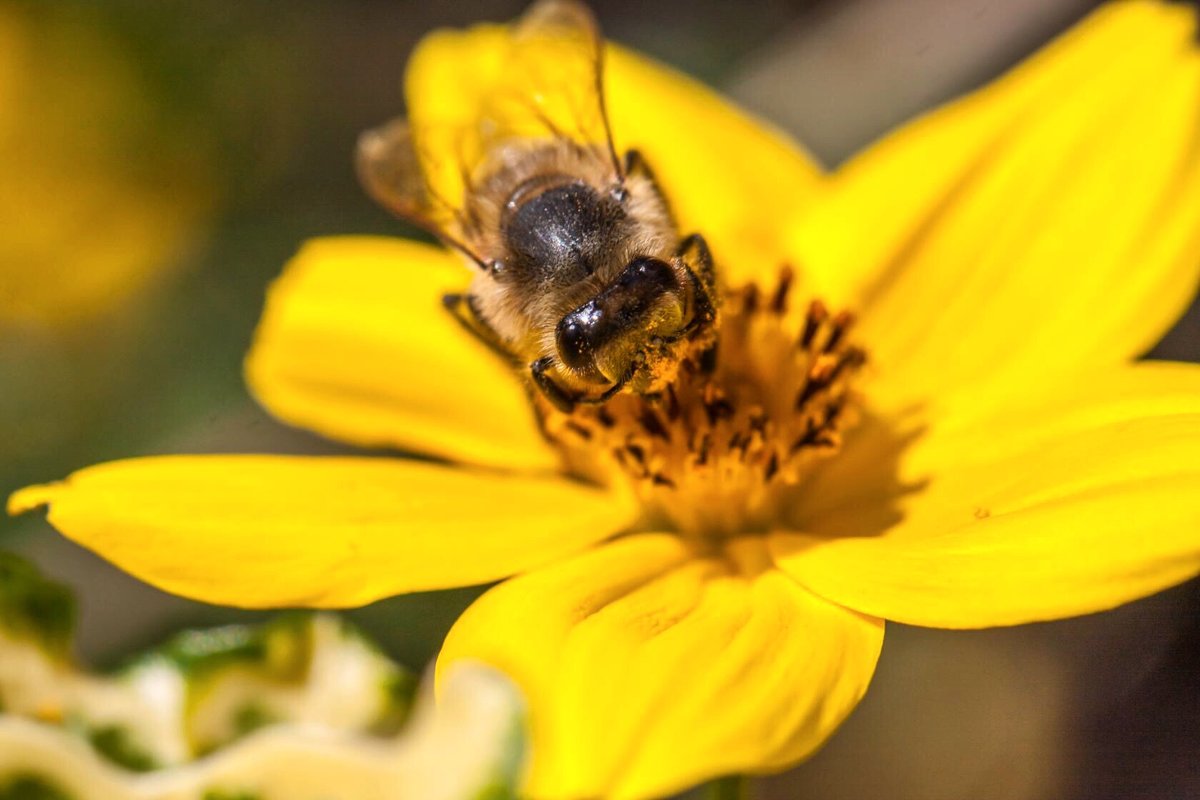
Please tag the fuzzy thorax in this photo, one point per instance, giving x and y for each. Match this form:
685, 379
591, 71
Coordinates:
721, 448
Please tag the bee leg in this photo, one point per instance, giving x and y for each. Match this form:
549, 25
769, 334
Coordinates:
462, 307
696, 255
697, 259
553, 392
616, 387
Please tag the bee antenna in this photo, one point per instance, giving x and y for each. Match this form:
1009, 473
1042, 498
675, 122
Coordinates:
448, 240
454, 244
598, 43
608, 137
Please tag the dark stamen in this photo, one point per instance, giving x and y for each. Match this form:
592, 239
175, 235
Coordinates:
771, 468
703, 450
779, 300
672, 403
653, 425
750, 299
716, 406
832, 410
579, 430
659, 479
808, 438
841, 323
817, 314
814, 385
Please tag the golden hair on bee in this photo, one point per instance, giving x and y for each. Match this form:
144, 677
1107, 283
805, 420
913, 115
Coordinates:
583, 277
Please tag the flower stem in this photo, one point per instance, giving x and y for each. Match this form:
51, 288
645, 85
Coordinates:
734, 787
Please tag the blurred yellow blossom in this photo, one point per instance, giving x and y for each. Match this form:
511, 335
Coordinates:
92, 215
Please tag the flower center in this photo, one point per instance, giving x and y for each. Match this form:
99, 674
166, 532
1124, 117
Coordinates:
720, 449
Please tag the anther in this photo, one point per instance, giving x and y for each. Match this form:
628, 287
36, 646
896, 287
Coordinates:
750, 299
832, 410
780, 298
653, 425
817, 314
853, 358
672, 403
805, 440
771, 468
579, 430
817, 380
716, 407
841, 323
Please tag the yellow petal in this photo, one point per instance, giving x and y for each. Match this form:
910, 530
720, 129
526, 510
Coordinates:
356, 344
1046, 222
260, 531
727, 175
1065, 504
719, 167
649, 667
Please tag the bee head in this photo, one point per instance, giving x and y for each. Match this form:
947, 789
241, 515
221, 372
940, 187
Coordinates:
600, 340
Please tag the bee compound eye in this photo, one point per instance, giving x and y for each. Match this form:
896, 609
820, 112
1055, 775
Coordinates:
647, 271
574, 343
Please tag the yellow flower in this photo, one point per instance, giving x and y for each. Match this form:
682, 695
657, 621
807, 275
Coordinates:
1007, 257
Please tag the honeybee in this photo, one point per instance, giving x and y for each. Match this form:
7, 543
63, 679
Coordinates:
581, 276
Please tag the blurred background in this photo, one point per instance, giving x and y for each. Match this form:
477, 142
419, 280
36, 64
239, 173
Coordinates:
162, 160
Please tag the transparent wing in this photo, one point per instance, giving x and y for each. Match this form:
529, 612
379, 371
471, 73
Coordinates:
391, 169
552, 83
472, 93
